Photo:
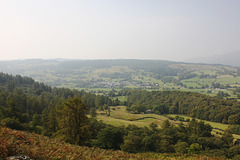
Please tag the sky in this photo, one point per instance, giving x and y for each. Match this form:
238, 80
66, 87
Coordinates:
118, 29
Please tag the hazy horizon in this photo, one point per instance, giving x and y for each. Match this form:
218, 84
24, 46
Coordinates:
156, 30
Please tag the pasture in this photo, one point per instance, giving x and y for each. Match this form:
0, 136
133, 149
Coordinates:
120, 117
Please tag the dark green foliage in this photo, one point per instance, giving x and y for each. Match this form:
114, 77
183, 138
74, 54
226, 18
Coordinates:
227, 137
235, 129
234, 152
195, 148
161, 109
36, 120
132, 143
188, 103
93, 112
12, 123
164, 146
138, 109
194, 138
199, 129
210, 142
110, 137
181, 147
95, 127
234, 119
24, 101
73, 123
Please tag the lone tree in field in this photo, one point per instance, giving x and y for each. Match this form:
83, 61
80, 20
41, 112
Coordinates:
73, 123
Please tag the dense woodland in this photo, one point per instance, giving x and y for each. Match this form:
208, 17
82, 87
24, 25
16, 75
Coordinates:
188, 103
24, 102
62, 114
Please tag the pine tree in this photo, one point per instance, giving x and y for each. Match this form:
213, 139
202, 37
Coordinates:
73, 123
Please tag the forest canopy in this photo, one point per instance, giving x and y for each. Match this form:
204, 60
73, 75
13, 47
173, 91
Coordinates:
188, 103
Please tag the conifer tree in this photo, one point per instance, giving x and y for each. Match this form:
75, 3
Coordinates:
73, 123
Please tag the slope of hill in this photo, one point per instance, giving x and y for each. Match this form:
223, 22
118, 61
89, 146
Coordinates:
14, 143
232, 59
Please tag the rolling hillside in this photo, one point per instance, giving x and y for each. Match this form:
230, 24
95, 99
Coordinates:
104, 75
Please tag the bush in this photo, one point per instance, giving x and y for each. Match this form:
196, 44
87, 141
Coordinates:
235, 129
181, 147
195, 148
12, 123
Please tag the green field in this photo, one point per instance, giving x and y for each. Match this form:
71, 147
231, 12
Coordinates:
215, 125
228, 80
120, 117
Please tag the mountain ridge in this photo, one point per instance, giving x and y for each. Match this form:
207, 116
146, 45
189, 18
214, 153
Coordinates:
232, 59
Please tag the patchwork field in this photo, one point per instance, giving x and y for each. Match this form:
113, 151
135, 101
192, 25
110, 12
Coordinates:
105, 75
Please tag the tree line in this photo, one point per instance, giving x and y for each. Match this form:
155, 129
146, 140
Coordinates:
189, 103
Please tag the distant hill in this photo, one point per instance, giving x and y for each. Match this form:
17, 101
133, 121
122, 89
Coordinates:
232, 59
98, 75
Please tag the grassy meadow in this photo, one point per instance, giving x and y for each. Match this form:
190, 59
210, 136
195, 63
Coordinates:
120, 117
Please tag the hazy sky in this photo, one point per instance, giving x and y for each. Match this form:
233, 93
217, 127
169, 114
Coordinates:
113, 29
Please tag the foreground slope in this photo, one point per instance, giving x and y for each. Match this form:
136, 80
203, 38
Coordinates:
14, 142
